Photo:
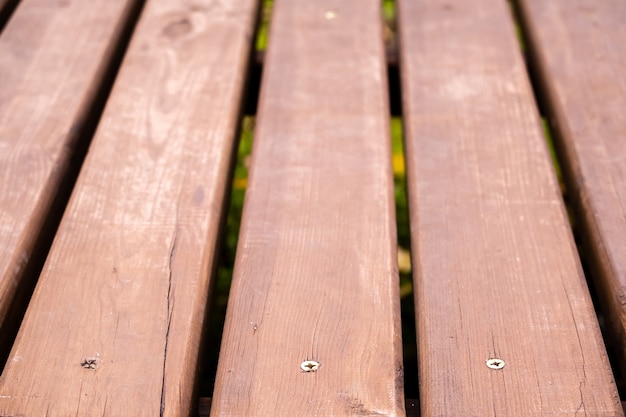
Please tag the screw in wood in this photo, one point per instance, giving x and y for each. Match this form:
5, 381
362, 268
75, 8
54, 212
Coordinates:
330, 15
89, 363
309, 366
495, 363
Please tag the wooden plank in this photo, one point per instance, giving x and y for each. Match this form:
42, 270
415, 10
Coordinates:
316, 270
47, 93
114, 327
579, 52
204, 407
496, 270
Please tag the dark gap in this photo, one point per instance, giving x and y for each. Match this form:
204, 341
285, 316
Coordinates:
226, 259
83, 131
395, 92
254, 82
390, 39
258, 58
233, 207
554, 138
6, 12
407, 304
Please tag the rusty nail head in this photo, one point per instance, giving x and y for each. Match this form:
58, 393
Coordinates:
309, 366
495, 363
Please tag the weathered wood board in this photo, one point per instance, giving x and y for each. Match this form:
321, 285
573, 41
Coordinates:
47, 93
114, 326
496, 270
316, 271
579, 53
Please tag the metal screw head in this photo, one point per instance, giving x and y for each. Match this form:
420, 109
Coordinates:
89, 363
495, 363
309, 366
330, 15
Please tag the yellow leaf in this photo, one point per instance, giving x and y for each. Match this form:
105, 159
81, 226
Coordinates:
404, 260
240, 183
398, 164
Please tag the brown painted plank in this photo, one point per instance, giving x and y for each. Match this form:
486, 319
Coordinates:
496, 269
579, 51
114, 326
47, 91
316, 271
204, 407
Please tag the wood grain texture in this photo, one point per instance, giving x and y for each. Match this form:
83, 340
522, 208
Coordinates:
316, 269
47, 91
125, 288
496, 269
412, 407
579, 51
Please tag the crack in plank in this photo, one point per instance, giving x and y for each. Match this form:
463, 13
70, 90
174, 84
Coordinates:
582, 383
170, 307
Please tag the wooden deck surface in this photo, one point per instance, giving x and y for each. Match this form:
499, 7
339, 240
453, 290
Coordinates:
119, 306
496, 269
48, 93
121, 273
580, 56
310, 282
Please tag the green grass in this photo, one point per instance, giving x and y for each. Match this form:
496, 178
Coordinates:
264, 26
389, 10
